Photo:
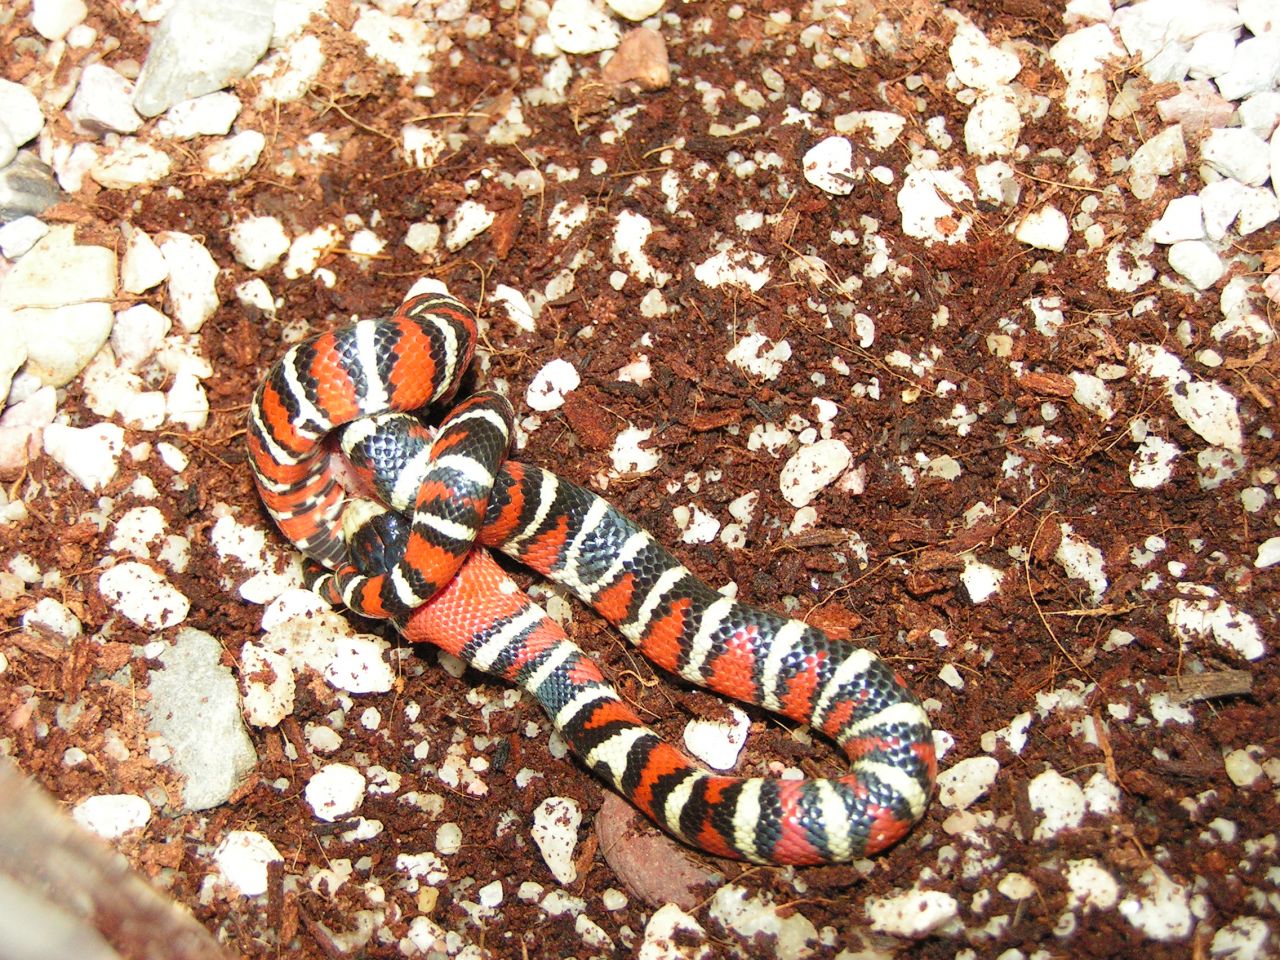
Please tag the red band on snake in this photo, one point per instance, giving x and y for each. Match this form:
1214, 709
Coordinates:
419, 559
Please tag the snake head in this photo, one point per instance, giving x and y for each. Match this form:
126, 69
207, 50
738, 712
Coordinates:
376, 537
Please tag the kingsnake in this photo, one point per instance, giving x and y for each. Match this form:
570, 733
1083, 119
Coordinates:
444, 496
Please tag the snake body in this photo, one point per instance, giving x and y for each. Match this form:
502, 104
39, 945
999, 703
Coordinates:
419, 559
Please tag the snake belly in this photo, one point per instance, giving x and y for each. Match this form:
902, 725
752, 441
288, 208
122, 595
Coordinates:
571, 535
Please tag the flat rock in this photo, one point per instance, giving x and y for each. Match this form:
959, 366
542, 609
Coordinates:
653, 866
201, 47
195, 706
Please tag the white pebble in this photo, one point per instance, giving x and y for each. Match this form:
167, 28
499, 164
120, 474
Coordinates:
810, 469
555, 831
359, 665
103, 102
913, 914
143, 265
981, 580
468, 221
964, 782
578, 26
335, 791
1199, 614
53, 19
90, 454
993, 125
112, 815
242, 859
628, 456
1060, 801
517, 305
635, 9
1044, 229
142, 595
828, 165
448, 839
1242, 768
718, 743
1183, 219
258, 242
749, 354
1237, 153
1152, 463
1164, 913
1081, 560
268, 685
1268, 552
233, 157
131, 164
550, 385
193, 273
207, 116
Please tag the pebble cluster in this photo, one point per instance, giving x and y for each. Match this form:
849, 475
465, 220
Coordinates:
121, 318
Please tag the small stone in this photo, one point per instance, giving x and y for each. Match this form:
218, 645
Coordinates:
1220, 203
27, 187
1183, 219
913, 914
1255, 67
1152, 463
977, 63
1242, 769
812, 468
199, 48
359, 665
718, 743
140, 594
243, 858
1044, 229
335, 791
234, 157
1158, 157
578, 26
1197, 107
993, 125
103, 102
1164, 913
193, 274
1260, 208
90, 454
186, 404
20, 112
828, 165
112, 815
635, 9
925, 212
549, 386
555, 831
1060, 800
207, 116
20, 235
142, 266
129, 165
880, 128
1198, 262
1237, 153
258, 242
53, 19
1268, 553
468, 221
642, 57
965, 781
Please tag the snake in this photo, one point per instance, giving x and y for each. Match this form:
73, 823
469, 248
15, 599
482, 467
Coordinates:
401, 521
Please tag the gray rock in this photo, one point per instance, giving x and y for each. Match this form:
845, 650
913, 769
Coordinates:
27, 188
195, 706
201, 46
